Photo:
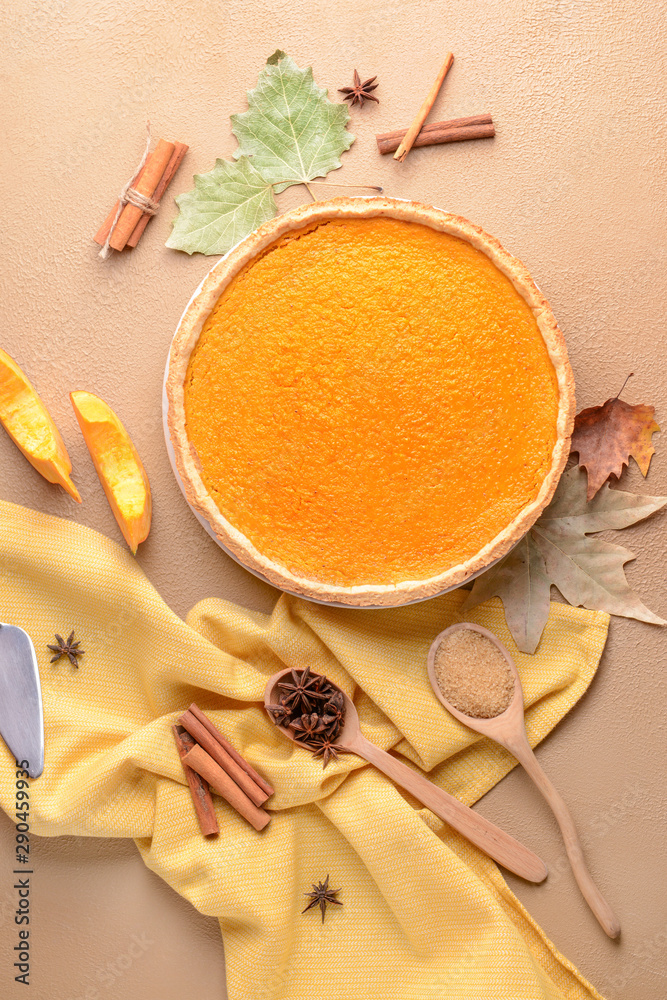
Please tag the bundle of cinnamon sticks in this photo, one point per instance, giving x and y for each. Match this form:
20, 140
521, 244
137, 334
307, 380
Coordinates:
152, 181
210, 760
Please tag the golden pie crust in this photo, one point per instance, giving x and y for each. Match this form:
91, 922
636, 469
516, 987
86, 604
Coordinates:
187, 460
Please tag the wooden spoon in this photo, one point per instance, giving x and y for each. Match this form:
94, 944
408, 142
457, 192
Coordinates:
509, 730
489, 838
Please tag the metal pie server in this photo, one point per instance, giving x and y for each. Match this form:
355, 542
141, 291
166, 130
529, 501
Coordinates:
21, 716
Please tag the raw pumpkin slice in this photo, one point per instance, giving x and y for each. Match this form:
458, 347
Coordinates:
31, 428
117, 464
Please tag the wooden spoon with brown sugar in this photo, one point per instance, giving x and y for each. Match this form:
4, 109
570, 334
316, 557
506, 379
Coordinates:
475, 678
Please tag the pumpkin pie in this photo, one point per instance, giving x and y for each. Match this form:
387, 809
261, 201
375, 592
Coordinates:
369, 401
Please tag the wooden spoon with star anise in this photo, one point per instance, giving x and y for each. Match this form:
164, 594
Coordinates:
480, 831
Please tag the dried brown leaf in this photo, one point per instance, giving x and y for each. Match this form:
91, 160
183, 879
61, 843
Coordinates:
558, 551
606, 436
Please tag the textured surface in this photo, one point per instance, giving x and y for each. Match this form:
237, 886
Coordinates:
573, 183
357, 406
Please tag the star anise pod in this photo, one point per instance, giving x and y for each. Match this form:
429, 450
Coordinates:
70, 649
307, 727
325, 686
321, 895
280, 714
360, 92
331, 725
303, 691
336, 700
333, 714
328, 750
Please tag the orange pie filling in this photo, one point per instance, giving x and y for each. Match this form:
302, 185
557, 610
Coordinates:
371, 402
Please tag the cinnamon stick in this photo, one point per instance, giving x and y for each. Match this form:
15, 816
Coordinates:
226, 745
433, 133
220, 755
422, 114
219, 780
180, 149
199, 790
102, 233
146, 185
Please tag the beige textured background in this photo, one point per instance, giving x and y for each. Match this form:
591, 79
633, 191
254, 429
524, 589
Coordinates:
573, 184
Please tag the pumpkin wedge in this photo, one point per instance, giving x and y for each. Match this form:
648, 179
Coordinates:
118, 465
31, 428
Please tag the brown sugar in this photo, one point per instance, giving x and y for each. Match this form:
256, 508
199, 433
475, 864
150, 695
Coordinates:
473, 674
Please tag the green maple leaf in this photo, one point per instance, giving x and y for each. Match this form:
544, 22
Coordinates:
292, 130
226, 204
588, 572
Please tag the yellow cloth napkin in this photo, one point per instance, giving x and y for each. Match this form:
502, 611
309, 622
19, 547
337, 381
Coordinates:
425, 914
